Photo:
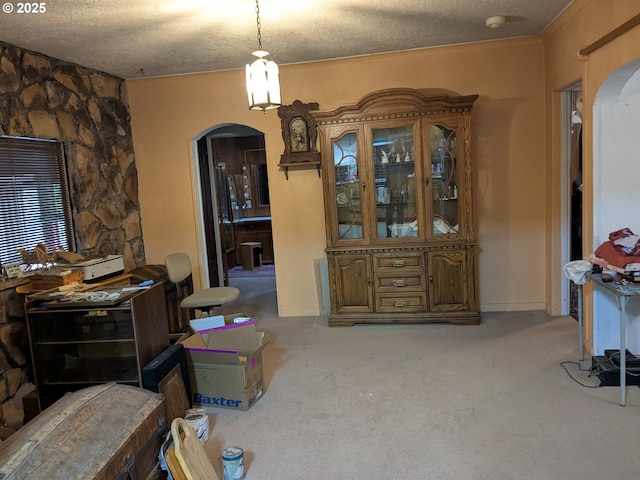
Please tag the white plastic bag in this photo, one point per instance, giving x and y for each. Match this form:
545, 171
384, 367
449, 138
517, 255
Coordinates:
577, 270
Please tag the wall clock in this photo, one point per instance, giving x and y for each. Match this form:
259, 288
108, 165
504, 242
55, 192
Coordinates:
299, 133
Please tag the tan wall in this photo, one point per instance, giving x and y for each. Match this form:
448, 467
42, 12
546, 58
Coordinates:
167, 113
583, 23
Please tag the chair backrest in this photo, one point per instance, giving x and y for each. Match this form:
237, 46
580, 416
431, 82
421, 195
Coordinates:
178, 266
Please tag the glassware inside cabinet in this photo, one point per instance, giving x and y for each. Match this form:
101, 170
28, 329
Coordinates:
444, 184
347, 178
395, 177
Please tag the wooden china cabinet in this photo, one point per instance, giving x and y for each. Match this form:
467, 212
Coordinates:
397, 181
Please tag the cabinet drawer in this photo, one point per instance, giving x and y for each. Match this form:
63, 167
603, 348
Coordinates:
389, 283
392, 261
398, 303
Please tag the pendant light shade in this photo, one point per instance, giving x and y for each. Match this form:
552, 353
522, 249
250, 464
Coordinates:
263, 83
263, 80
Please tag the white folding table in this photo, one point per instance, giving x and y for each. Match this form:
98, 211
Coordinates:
622, 294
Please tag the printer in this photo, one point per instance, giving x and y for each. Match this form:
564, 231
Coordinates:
100, 268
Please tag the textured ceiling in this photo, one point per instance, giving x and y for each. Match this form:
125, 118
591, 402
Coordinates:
146, 38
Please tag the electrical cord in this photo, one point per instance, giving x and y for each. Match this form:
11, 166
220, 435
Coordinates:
594, 369
590, 370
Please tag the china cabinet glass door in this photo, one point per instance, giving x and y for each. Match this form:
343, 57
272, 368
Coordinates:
444, 180
394, 158
347, 180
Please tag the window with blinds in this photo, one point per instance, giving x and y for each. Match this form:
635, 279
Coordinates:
34, 197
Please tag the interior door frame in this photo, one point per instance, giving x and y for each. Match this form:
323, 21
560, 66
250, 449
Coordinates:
213, 176
565, 180
201, 240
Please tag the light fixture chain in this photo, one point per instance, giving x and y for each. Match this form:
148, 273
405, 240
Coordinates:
258, 23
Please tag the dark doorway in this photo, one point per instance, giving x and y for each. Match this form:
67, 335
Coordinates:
209, 214
575, 173
235, 196
575, 190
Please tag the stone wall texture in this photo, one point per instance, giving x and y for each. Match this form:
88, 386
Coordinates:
43, 97
15, 360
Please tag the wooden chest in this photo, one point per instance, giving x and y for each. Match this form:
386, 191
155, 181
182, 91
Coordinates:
109, 432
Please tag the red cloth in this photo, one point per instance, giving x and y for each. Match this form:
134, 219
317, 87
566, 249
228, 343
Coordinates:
607, 251
622, 234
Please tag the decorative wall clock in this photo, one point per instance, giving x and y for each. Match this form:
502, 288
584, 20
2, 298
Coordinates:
299, 133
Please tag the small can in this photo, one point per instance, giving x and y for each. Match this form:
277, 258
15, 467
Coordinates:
233, 463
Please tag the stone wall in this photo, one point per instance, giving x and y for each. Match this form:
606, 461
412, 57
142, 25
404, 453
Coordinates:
15, 361
42, 97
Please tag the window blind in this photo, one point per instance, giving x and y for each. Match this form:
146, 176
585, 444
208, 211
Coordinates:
34, 197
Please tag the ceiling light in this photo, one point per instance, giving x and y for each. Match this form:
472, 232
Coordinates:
495, 22
263, 83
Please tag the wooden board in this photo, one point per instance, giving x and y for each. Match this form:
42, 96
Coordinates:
173, 464
190, 452
175, 394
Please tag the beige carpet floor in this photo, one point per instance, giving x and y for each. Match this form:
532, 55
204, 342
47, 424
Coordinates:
266, 270
426, 401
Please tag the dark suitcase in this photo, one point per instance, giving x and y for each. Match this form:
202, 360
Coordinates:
108, 432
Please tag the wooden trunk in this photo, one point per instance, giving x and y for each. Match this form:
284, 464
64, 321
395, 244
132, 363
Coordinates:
108, 432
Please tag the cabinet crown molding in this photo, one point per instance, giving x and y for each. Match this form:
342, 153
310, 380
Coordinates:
395, 103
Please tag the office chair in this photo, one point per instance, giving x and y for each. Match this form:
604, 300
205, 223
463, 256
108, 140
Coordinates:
179, 271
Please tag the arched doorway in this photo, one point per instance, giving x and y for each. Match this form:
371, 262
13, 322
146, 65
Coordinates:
234, 201
616, 121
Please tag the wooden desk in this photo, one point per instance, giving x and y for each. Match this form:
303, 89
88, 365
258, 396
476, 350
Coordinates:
622, 294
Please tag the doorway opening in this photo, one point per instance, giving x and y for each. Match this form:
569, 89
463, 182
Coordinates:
236, 211
574, 187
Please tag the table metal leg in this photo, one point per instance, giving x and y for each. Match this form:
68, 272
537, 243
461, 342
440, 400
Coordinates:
622, 307
580, 340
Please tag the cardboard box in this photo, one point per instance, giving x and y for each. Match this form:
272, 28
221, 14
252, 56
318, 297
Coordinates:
225, 367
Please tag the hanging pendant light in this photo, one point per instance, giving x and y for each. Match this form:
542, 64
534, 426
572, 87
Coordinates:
263, 83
